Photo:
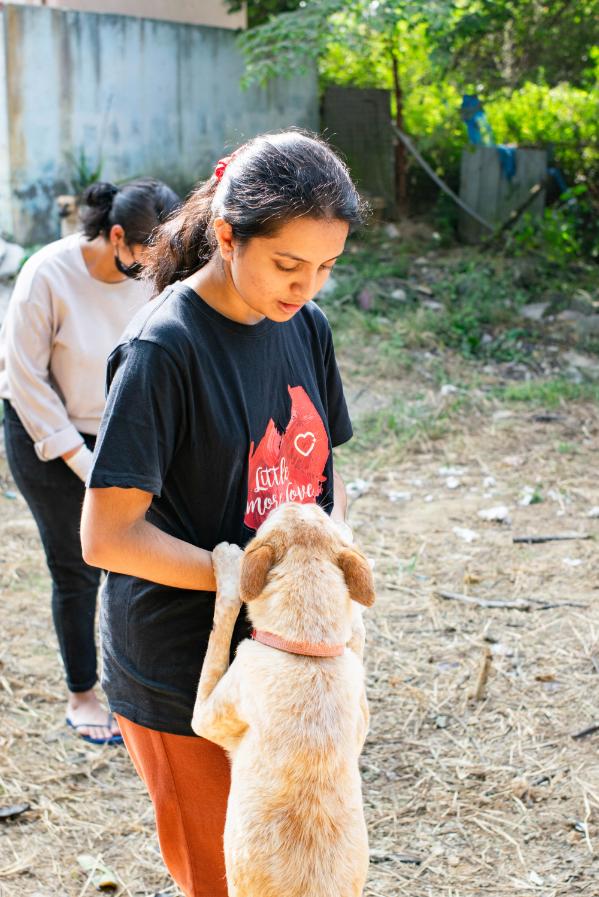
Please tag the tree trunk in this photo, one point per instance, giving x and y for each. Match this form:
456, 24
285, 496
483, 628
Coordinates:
401, 157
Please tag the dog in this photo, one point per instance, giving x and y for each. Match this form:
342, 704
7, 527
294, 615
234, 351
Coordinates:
291, 709
68, 212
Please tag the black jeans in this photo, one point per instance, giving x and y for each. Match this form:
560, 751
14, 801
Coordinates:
55, 495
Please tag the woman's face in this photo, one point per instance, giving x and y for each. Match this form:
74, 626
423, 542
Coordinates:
129, 255
275, 276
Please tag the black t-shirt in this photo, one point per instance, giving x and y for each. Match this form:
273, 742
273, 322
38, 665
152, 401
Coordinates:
221, 422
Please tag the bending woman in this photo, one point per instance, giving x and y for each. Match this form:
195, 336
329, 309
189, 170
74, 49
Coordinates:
225, 401
71, 302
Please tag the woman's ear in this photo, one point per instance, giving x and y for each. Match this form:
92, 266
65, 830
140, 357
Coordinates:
255, 567
116, 235
358, 576
224, 237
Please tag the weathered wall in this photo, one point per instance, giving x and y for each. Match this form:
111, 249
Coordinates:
357, 121
5, 203
148, 97
204, 12
487, 190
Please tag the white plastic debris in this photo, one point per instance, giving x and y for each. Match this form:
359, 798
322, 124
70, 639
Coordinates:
452, 471
527, 496
572, 562
594, 512
448, 389
357, 488
399, 496
498, 514
468, 535
453, 482
513, 460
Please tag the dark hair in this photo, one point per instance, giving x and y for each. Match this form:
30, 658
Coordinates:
268, 181
139, 207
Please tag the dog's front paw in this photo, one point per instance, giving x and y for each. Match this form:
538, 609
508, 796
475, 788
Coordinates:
226, 561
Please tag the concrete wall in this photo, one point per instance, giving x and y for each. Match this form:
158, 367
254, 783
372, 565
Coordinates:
487, 190
148, 97
5, 201
358, 122
194, 12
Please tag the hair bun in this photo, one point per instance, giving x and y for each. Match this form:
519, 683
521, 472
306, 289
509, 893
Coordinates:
100, 194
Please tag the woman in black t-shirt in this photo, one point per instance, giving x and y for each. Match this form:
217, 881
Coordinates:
225, 400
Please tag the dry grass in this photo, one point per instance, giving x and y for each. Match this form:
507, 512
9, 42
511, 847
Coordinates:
464, 796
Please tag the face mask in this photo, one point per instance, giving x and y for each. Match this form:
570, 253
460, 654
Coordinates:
133, 270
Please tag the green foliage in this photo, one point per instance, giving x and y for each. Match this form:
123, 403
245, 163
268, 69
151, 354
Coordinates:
368, 31
563, 117
479, 315
82, 171
509, 42
549, 393
259, 11
471, 304
566, 232
534, 65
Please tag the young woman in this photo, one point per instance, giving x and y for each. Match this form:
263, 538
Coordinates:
71, 302
225, 401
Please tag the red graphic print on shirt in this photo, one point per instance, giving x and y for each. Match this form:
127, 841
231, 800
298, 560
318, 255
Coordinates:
289, 466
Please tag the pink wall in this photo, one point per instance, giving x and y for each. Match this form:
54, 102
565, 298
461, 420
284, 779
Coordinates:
194, 12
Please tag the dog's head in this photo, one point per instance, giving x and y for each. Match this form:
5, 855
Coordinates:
67, 206
315, 541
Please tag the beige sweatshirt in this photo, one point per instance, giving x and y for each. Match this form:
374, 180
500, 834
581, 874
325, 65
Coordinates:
60, 327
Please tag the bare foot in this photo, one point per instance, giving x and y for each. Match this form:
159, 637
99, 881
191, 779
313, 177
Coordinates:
88, 717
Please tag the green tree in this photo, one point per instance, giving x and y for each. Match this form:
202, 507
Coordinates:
371, 30
427, 52
259, 11
508, 42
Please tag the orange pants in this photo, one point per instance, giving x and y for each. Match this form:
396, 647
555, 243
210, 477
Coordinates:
188, 780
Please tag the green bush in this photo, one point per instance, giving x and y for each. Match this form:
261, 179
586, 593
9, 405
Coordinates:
567, 231
564, 118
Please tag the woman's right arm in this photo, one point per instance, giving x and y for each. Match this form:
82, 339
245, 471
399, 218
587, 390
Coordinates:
29, 334
116, 536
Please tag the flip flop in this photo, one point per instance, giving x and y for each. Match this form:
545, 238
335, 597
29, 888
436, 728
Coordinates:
112, 739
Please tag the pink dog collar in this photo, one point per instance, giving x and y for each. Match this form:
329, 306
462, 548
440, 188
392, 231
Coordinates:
308, 649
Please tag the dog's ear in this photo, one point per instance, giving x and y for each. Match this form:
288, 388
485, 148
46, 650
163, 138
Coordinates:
255, 565
358, 576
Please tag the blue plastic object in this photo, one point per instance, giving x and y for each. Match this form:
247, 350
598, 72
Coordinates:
477, 124
480, 133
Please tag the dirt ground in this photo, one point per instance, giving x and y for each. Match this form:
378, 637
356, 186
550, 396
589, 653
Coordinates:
473, 782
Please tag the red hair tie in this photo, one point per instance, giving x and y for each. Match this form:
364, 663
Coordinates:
221, 167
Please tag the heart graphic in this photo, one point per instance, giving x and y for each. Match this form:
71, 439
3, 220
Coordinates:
308, 440
289, 462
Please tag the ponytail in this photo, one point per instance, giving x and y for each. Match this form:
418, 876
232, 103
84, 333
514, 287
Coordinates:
185, 242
